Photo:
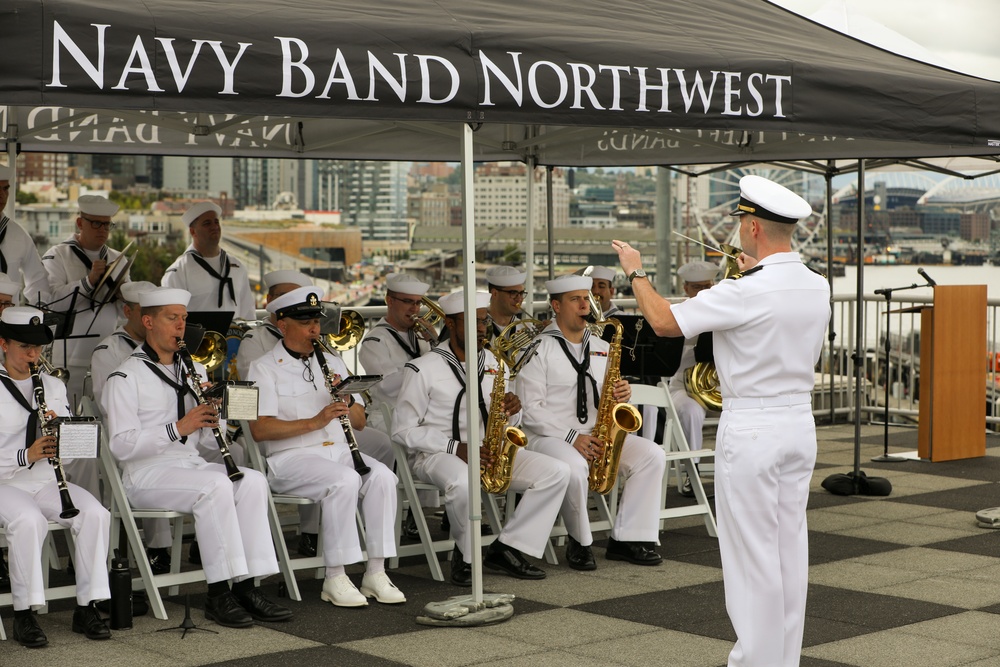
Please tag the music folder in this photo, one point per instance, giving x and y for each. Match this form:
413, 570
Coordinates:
644, 354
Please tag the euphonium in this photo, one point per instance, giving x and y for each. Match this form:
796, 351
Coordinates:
501, 441
614, 420
701, 380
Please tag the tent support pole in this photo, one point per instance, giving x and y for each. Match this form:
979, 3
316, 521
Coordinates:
529, 262
12, 143
663, 221
859, 325
832, 335
550, 221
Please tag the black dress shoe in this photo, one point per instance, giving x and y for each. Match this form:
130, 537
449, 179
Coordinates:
445, 524
686, 489
638, 553
227, 611
499, 556
4, 573
461, 572
27, 632
307, 544
159, 559
87, 621
410, 531
263, 609
194, 553
579, 557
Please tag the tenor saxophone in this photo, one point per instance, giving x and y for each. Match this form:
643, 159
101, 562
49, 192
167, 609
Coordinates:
501, 441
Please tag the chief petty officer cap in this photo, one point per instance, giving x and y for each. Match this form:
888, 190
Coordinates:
198, 210
96, 205
24, 325
570, 283
400, 283
454, 303
505, 276
8, 286
698, 272
285, 276
132, 290
5, 173
164, 296
302, 303
771, 201
602, 273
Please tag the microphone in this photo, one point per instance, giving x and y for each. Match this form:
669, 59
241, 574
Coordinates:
930, 281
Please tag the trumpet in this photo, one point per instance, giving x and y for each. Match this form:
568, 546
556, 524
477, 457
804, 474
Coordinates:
68, 511
46, 367
194, 378
427, 321
345, 421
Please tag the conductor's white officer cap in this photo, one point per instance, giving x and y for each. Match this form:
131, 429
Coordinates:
771, 201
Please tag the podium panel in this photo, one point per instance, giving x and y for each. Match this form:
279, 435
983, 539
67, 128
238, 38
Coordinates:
953, 374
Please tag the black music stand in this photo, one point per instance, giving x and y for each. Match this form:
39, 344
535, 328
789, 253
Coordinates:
644, 354
187, 623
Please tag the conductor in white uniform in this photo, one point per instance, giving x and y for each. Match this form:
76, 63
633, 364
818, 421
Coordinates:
561, 387
430, 421
29, 496
217, 282
157, 428
308, 454
768, 333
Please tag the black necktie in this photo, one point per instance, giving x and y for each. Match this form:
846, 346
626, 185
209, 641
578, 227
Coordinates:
582, 374
224, 280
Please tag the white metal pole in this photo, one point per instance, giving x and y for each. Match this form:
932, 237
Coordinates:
529, 282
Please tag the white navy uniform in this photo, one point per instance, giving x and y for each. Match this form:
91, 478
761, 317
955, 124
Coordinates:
228, 289
19, 259
161, 469
29, 499
303, 466
68, 264
690, 413
768, 329
613, 311
548, 389
109, 355
384, 350
430, 421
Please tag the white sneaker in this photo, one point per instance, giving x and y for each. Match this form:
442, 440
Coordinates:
341, 592
379, 587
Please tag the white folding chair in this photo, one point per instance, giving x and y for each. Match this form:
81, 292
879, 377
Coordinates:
49, 559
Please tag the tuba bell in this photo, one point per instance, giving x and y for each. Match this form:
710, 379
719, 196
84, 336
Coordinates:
211, 352
349, 333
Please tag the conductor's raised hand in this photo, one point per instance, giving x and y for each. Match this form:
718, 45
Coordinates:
630, 258
746, 262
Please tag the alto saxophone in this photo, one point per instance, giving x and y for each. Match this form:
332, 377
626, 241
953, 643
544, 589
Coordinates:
501, 441
614, 420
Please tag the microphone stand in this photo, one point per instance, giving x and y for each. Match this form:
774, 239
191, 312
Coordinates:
887, 292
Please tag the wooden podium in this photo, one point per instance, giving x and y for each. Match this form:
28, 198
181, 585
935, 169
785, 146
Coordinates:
953, 374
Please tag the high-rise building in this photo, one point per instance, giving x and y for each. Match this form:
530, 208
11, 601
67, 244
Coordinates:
502, 196
372, 197
52, 167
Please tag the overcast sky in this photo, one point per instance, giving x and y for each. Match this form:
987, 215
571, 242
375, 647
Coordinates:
963, 33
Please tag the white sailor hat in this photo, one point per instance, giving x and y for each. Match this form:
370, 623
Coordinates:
570, 283
9, 287
602, 273
454, 303
132, 290
164, 296
698, 272
96, 205
771, 201
505, 276
286, 276
302, 303
400, 283
198, 210
5, 173
25, 325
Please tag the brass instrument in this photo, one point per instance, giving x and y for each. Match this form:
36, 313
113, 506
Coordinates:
211, 352
614, 420
194, 379
46, 367
427, 322
345, 421
702, 380
349, 333
68, 511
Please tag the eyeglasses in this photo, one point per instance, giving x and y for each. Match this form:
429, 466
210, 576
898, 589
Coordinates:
514, 294
407, 302
97, 224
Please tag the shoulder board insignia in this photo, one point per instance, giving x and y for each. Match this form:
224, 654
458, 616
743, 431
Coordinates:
117, 374
743, 274
816, 271
411, 367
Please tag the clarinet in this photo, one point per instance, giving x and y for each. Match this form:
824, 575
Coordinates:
233, 472
345, 421
68, 511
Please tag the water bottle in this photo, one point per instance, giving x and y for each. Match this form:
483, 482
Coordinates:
120, 580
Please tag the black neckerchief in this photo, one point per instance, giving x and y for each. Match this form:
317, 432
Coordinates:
127, 338
496, 329
703, 351
582, 372
180, 389
412, 352
3, 234
31, 432
274, 331
224, 280
456, 367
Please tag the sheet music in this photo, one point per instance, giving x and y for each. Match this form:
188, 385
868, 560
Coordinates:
79, 440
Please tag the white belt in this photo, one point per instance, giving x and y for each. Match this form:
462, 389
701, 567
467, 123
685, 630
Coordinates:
783, 401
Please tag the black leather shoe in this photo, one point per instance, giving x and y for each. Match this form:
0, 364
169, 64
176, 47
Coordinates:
194, 553
227, 611
307, 544
410, 531
499, 556
579, 557
159, 559
445, 524
27, 633
88, 622
461, 572
638, 553
686, 490
263, 609
4, 573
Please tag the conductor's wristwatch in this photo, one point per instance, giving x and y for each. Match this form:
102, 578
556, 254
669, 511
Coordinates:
638, 273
